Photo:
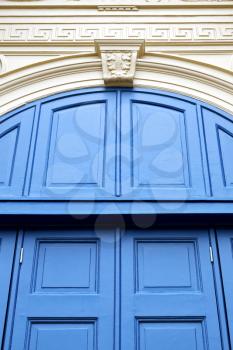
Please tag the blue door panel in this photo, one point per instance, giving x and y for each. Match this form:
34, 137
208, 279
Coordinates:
15, 137
219, 140
61, 336
7, 248
55, 267
75, 151
168, 297
160, 147
225, 243
170, 334
66, 291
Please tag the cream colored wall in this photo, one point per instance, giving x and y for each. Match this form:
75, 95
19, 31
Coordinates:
54, 46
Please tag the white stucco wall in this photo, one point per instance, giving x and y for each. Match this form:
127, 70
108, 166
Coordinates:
50, 46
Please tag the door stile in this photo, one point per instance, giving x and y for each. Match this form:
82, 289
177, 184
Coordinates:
219, 291
117, 297
9, 322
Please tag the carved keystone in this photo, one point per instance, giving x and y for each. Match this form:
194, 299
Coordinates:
119, 59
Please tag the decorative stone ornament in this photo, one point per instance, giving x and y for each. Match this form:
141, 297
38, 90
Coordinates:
119, 59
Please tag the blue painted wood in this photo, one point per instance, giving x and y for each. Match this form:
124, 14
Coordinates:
7, 246
160, 147
225, 243
15, 137
218, 287
219, 140
75, 150
116, 146
13, 290
66, 291
121, 144
167, 287
88, 208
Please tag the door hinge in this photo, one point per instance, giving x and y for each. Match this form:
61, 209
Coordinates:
21, 256
211, 255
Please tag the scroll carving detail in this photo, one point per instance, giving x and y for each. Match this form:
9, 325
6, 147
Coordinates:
119, 63
119, 60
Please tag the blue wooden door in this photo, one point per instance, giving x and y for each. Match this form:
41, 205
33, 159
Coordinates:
161, 149
66, 291
219, 141
168, 297
7, 248
15, 138
225, 243
75, 150
116, 144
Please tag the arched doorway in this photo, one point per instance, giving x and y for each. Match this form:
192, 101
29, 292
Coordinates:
107, 156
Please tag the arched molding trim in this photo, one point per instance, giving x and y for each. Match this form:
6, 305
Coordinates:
161, 71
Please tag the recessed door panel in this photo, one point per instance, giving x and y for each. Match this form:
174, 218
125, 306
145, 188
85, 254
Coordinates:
58, 274
219, 140
66, 291
75, 151
171, 334
64, 335
160, 158
167, 291
160, 148
77, 147
15, 138
179, 266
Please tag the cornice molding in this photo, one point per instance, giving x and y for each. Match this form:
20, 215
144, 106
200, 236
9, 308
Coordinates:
120, 4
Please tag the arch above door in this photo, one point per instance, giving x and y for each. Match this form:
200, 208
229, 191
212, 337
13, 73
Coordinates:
169, 72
